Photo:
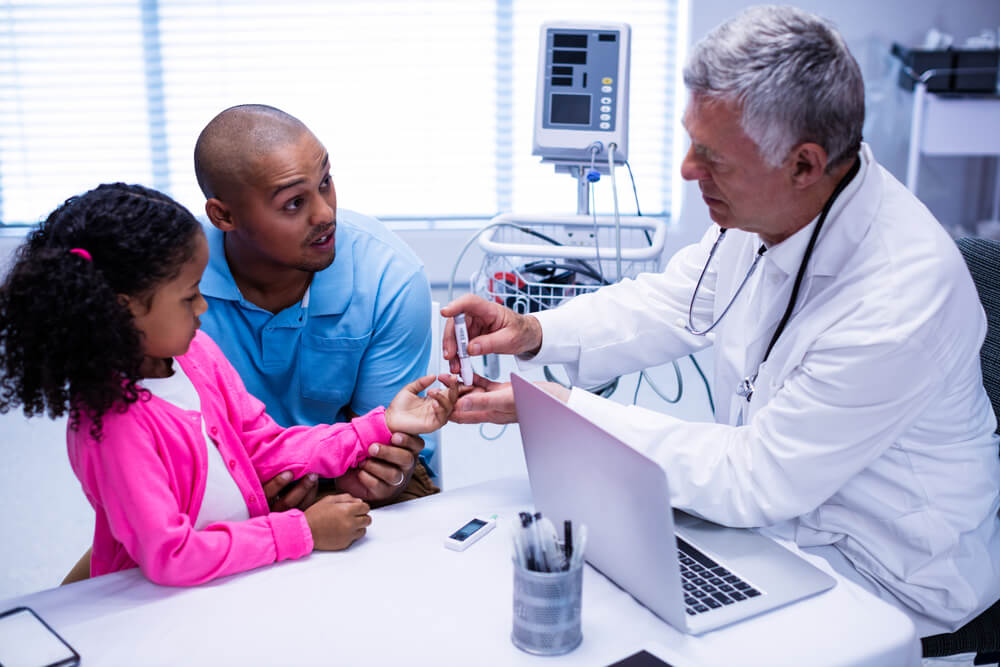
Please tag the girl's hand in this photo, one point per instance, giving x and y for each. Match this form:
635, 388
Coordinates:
336, 521
411, 413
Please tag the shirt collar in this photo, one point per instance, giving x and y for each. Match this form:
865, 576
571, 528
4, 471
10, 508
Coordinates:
787, 255
331, 289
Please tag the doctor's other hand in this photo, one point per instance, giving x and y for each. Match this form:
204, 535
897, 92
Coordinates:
337, 521
493, 329
411, 413
493, 402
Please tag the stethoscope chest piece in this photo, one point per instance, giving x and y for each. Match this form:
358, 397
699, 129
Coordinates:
745, 388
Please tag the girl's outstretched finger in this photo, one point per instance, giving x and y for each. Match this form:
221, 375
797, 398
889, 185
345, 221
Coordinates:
420, 384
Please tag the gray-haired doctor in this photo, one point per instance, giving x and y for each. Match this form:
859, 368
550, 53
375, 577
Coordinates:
851, 413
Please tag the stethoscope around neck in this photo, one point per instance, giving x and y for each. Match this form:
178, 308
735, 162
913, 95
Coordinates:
746, 386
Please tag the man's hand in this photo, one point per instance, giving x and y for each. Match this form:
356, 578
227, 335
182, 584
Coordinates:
492, 329
301, 495
488, 401
383, 476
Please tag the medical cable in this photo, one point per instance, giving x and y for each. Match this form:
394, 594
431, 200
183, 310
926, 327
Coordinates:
635, 192
597, 243
708, 387
656, 390
618, 220
605, 390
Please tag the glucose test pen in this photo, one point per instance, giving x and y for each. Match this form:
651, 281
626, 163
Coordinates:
462, 336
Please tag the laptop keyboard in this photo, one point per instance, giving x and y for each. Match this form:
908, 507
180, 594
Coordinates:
708, 585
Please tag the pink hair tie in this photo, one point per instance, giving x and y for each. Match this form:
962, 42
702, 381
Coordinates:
82, 253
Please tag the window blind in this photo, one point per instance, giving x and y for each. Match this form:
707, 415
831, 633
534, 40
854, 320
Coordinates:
426, 108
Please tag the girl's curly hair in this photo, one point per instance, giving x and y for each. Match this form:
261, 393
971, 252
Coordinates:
68, 341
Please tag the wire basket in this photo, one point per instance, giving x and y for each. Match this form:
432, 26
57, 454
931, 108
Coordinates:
533, 263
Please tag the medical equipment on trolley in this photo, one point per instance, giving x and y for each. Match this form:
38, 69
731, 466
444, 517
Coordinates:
534, 262
581, 104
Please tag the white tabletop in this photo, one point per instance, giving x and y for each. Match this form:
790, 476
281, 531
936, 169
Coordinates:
399, 597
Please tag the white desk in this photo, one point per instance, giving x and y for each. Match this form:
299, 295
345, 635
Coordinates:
399, 597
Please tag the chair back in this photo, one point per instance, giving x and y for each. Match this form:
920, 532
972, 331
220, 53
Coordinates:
982, 634
983, 259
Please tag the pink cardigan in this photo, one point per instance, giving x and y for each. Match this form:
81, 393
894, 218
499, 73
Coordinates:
146, 477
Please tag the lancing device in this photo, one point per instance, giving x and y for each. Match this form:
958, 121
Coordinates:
462, 336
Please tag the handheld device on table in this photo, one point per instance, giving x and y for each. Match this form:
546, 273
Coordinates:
471, 532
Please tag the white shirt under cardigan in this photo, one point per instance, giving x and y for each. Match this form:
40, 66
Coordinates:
223, 500
869, 429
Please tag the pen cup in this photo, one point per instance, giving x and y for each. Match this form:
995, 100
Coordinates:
547, 610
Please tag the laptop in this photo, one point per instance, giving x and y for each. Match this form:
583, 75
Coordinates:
695, 575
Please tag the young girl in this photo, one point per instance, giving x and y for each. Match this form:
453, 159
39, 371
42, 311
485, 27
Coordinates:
99, 319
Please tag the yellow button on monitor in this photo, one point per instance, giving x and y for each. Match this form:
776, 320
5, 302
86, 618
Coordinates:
606, 80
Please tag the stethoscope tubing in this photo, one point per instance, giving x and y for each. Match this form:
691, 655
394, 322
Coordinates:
689, 327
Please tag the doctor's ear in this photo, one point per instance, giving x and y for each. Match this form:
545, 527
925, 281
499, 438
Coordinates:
808, 164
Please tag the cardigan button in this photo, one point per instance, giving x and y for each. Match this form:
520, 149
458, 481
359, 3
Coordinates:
232, 464
214, 430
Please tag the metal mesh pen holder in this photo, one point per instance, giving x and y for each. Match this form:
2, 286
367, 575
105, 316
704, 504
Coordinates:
547, 610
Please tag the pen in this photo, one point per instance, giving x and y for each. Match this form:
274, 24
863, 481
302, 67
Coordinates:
529, 542
543, 566
518, 549
567, 542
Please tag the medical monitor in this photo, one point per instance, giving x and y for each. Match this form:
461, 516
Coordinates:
582, 94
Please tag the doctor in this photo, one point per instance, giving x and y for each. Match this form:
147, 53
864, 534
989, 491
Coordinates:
851, 413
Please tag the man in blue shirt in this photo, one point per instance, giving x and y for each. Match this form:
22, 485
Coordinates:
324, 312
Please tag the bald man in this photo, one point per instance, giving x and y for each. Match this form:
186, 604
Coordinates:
324, 312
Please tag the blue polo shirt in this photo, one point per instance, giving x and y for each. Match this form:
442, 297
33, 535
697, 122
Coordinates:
364, 333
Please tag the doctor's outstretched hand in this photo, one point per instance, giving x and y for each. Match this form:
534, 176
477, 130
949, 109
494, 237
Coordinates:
493, 329
493, 402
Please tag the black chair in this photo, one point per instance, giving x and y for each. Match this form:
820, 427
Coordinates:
982, 634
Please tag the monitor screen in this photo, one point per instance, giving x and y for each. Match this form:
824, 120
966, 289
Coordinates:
569, 109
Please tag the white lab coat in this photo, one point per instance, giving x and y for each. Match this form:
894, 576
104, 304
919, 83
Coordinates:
869, 429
